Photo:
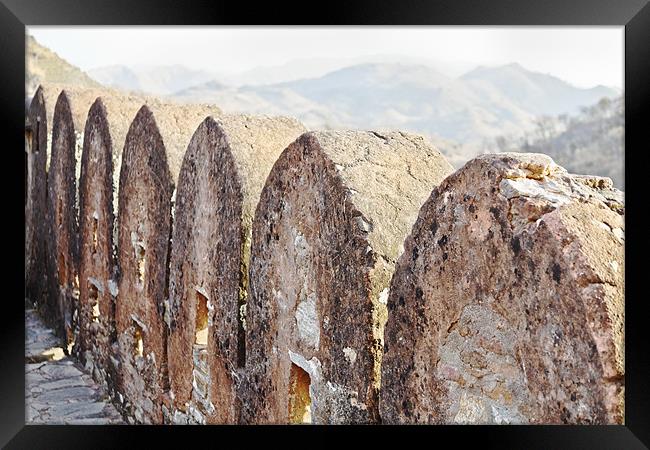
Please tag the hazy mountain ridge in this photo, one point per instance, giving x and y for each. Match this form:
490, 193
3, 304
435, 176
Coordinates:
150, 80
486, 109
536, 92
483, 103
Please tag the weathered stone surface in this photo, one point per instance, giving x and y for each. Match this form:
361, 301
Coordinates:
507, 303
35, 204
327, 231
222, 175
61, 220
104, 138
150, 164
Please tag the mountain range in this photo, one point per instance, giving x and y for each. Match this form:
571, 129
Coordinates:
478, 106
462, 115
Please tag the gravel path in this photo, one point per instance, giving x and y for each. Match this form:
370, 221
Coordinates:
57, 390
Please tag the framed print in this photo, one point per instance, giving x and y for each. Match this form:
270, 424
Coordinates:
407, 217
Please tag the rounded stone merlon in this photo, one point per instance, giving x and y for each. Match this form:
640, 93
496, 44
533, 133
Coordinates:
329, 226
507, 304
390, 175
228, 159
154, 147
36, 203
104, 137
61, 219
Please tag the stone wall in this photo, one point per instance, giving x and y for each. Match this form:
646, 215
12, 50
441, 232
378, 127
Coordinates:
150, 166
220, 181
507, 304
61, 220
259, 292
35, 203
327, 231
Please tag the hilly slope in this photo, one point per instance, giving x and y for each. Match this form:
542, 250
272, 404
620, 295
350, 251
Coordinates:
43, 65
590, 142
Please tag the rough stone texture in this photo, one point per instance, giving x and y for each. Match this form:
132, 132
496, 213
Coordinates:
35, 203
507, 305
327, 232
61, 220
57, 391
97, 265
150, 165
222, 176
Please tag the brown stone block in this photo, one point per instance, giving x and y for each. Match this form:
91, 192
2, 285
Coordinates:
222, 175
149, 169
104, 136
61, 219
328, 229
507, 305
35, 202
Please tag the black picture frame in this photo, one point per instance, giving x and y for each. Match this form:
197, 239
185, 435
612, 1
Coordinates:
634, 15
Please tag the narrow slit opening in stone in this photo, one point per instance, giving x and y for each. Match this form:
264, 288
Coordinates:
28, 151
93, 299
29, 137
138, 342
201, 334
299, 397
94, 221
61, 255
140, 261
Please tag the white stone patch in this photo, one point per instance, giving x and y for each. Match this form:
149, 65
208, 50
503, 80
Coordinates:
312, 366
97, 283
201, 290
135, 241
140, 323
471, 410
614, 266
603, 225
307, 321
242, 315
112, 288
362, 224
619, 233
459, 212
166, 312
525, 187
383, 297
300, 242
350, 354
280, 300
503, 416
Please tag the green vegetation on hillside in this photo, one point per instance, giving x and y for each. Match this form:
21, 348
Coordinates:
591, 142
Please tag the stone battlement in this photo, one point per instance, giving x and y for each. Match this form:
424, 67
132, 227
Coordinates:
211, 268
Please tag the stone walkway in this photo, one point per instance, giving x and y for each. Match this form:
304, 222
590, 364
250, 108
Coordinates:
57, 390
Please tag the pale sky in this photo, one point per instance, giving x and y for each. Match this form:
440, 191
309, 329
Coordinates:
583, 56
